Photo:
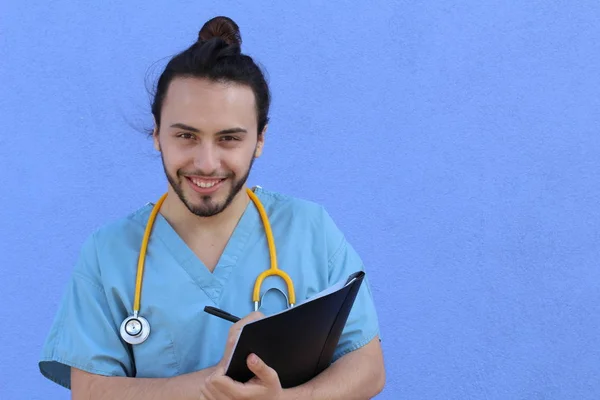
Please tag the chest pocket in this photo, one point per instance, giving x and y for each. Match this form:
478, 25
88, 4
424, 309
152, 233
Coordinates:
155, 358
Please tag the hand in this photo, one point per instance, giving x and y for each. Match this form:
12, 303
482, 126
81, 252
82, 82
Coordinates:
264, 385
234, 333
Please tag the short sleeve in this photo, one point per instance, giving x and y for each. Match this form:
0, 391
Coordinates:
362, 325
83, 334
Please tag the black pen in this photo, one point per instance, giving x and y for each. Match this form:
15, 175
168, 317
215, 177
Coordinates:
221, 314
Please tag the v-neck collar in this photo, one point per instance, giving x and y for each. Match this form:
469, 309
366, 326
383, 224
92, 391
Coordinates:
211, 283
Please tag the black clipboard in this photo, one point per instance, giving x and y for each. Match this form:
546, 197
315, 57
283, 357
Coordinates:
299, 342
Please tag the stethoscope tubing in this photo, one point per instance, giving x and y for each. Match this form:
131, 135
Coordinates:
127, 329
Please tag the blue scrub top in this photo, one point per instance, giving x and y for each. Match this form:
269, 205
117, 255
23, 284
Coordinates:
177, 287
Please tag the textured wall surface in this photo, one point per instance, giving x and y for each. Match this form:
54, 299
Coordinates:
456, 145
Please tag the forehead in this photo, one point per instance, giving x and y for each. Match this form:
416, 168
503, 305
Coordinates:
201, 102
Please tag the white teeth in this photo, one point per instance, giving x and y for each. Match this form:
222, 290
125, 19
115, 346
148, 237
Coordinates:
205, 184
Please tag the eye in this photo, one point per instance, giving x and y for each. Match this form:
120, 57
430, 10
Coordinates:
185, 135
229, 138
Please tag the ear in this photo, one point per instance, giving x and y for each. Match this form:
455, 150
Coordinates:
155, 137
261, 142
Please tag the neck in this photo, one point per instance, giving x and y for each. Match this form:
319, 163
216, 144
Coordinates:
188, 224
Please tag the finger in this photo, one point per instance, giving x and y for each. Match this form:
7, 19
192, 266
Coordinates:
208, 391
262, 371
219, 370
253, 316
227, 388
237, 327
234, 331
206, 394
221, 387
230, 344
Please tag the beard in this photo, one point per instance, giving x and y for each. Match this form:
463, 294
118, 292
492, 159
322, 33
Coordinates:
208, 207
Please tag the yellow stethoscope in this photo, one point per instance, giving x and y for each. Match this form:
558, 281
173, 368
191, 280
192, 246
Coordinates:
135, 329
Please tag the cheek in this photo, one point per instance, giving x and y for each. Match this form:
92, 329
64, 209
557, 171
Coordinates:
238, 161
176, 157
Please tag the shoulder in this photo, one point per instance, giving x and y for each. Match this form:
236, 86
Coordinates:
113, 236
302, 214
124, 229
296, 209
285, 203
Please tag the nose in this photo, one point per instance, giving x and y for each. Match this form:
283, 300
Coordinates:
206, 159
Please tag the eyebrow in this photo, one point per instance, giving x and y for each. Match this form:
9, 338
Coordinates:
222, 132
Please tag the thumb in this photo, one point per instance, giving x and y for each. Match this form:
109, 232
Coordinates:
262, 371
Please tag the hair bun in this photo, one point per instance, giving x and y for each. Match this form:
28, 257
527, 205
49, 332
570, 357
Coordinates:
221, 27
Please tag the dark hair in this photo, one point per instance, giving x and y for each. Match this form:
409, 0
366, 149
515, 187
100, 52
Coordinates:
216, 56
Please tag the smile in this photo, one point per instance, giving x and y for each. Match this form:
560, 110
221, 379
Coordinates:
204, 185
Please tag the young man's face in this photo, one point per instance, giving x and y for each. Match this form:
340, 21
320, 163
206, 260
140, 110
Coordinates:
208, 141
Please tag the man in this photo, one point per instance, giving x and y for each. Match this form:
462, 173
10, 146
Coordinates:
207, 247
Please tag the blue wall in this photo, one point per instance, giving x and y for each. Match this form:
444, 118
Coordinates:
457, 146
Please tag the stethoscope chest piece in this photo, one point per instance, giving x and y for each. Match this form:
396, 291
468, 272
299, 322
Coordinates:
135, 329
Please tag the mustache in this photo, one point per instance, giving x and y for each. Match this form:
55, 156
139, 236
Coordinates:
220, 175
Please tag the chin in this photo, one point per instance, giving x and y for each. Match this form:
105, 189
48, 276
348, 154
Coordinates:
204, 209
207, 205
